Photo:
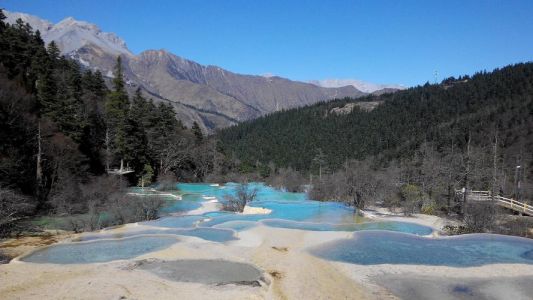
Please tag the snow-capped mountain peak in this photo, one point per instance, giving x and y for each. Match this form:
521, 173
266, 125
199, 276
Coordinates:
35, 22
363, 86
71, 35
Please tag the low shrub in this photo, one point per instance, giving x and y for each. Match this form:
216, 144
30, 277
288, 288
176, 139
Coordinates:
236, 203
456, 230
429, 208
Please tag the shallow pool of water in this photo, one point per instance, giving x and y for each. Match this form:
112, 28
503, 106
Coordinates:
284, 205
100, 251
209, 234
189, 202
237, 225
175, 222
381, 247
288, 210
390, 226
373, 242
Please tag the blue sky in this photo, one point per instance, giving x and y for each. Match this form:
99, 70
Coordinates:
378, 41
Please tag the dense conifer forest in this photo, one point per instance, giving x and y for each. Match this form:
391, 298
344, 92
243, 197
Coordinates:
499, 102
414, 150
63, 127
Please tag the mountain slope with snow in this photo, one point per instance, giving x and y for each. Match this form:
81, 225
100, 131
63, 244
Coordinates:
71, 35
209, 95
363, 86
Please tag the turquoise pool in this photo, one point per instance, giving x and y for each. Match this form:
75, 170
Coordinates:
293, 211
210, 234
372, 242
100, 251
390, 226
382, 247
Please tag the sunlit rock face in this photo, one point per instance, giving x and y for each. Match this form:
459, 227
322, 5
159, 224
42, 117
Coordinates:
349, 107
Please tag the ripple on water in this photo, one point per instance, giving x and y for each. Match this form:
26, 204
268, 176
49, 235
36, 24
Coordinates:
381, 247
99, 251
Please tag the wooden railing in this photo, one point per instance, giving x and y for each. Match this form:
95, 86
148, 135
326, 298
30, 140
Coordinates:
515, 205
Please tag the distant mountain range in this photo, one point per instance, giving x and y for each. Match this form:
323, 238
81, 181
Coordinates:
363, 86
209, 95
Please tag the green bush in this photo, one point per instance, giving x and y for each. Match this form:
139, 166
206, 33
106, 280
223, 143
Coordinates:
411, 198
429, 208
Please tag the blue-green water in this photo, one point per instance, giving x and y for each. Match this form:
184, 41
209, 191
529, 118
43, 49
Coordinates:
289, 210
100, 251
373, 242
528, 254
176, 222
381, 247
210, 234
188, 203
237, 225
390, 226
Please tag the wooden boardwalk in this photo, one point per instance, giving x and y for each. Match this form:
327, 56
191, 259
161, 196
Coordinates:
520, 207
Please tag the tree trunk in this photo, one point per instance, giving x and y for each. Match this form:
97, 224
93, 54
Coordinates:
39, 170
494, 166
467, 173
451, 191
107, 154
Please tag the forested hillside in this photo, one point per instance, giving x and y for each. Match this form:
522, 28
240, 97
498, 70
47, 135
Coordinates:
474, 132
61, 129
444, 114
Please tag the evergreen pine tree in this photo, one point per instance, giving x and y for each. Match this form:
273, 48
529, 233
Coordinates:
46, 93
70, 114
135, 144
197, 131
117, 107
53, 51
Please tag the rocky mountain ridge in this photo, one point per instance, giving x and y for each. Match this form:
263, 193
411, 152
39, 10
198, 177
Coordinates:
209, 95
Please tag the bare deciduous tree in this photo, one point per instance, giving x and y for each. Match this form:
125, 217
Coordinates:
480, 217
174, 155
12, 207
287, 179
243, 195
